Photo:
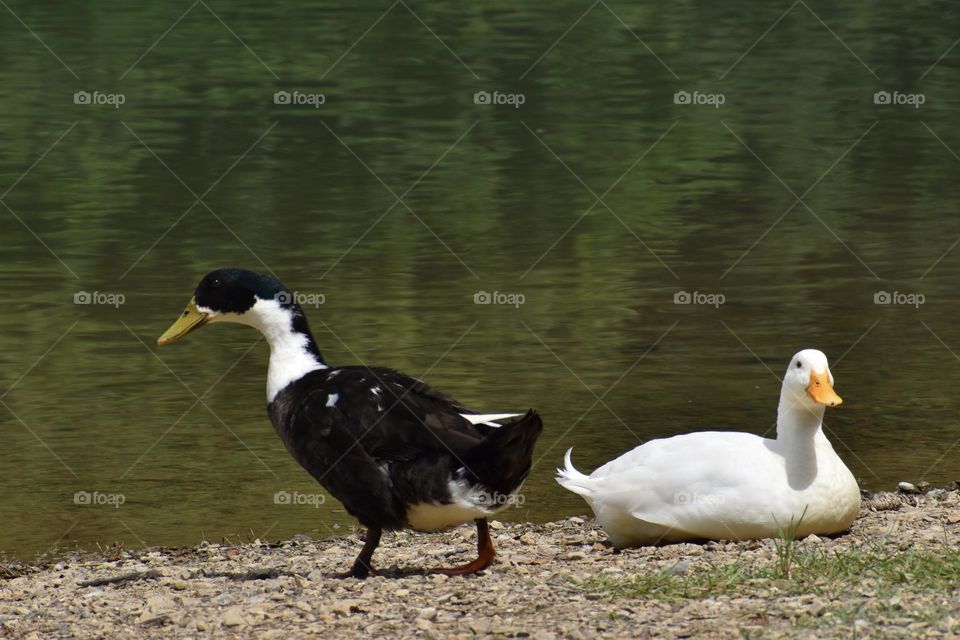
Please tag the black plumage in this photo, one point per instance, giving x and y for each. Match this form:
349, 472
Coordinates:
378, 452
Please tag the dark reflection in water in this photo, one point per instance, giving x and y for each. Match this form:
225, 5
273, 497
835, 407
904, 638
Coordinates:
399, 198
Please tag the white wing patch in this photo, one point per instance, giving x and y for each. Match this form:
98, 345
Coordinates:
332, 399
488, 419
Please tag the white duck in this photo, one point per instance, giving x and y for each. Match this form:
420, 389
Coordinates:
730, 486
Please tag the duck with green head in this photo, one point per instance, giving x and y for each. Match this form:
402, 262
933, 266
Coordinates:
396, 452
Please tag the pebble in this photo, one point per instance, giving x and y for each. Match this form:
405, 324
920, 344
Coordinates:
679, 568
344, 607
160, 602
233, 617
906, 487
529, 538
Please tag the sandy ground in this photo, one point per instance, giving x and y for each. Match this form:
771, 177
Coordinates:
554, 580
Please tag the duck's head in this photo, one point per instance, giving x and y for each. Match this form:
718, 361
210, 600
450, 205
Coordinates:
808, 381
233, 295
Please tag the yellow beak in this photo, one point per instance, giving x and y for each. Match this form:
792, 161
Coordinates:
821, 391
188, 321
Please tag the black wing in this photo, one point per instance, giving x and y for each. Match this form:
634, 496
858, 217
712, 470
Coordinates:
369, 434
399, 418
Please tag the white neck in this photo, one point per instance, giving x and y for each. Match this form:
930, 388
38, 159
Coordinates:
799, 430
798, 419
290, 359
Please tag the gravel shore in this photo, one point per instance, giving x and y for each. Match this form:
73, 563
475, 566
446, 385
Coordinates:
554, 580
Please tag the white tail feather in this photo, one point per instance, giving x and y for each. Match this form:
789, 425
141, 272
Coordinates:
488, 418
571, 479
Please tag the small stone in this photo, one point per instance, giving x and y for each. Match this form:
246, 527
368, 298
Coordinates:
428, 613
424, 624
576, 520
813, 539
233, 617
528, 538
496, 525
344, 607
161, 602
678, 568
906, 487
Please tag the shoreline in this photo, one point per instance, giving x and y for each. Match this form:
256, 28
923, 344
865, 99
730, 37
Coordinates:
892, 575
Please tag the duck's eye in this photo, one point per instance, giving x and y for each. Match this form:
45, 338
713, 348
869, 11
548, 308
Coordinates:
798, 364
186, 312
216, 282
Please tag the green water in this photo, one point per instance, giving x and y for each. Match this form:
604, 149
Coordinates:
494, 197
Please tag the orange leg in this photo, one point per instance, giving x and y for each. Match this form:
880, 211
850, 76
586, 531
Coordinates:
485, 554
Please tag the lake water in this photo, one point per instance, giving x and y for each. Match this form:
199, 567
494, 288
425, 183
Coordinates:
616, 156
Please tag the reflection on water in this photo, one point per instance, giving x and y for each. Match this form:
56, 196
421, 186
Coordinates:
399, 198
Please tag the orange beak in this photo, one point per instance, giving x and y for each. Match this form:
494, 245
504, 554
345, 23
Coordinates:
821, 391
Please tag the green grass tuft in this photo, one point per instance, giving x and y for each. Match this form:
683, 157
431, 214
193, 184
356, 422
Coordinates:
793, 572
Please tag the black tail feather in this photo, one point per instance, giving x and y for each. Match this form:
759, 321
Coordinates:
502, 461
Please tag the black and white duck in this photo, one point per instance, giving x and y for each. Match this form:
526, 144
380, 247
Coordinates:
396, 452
